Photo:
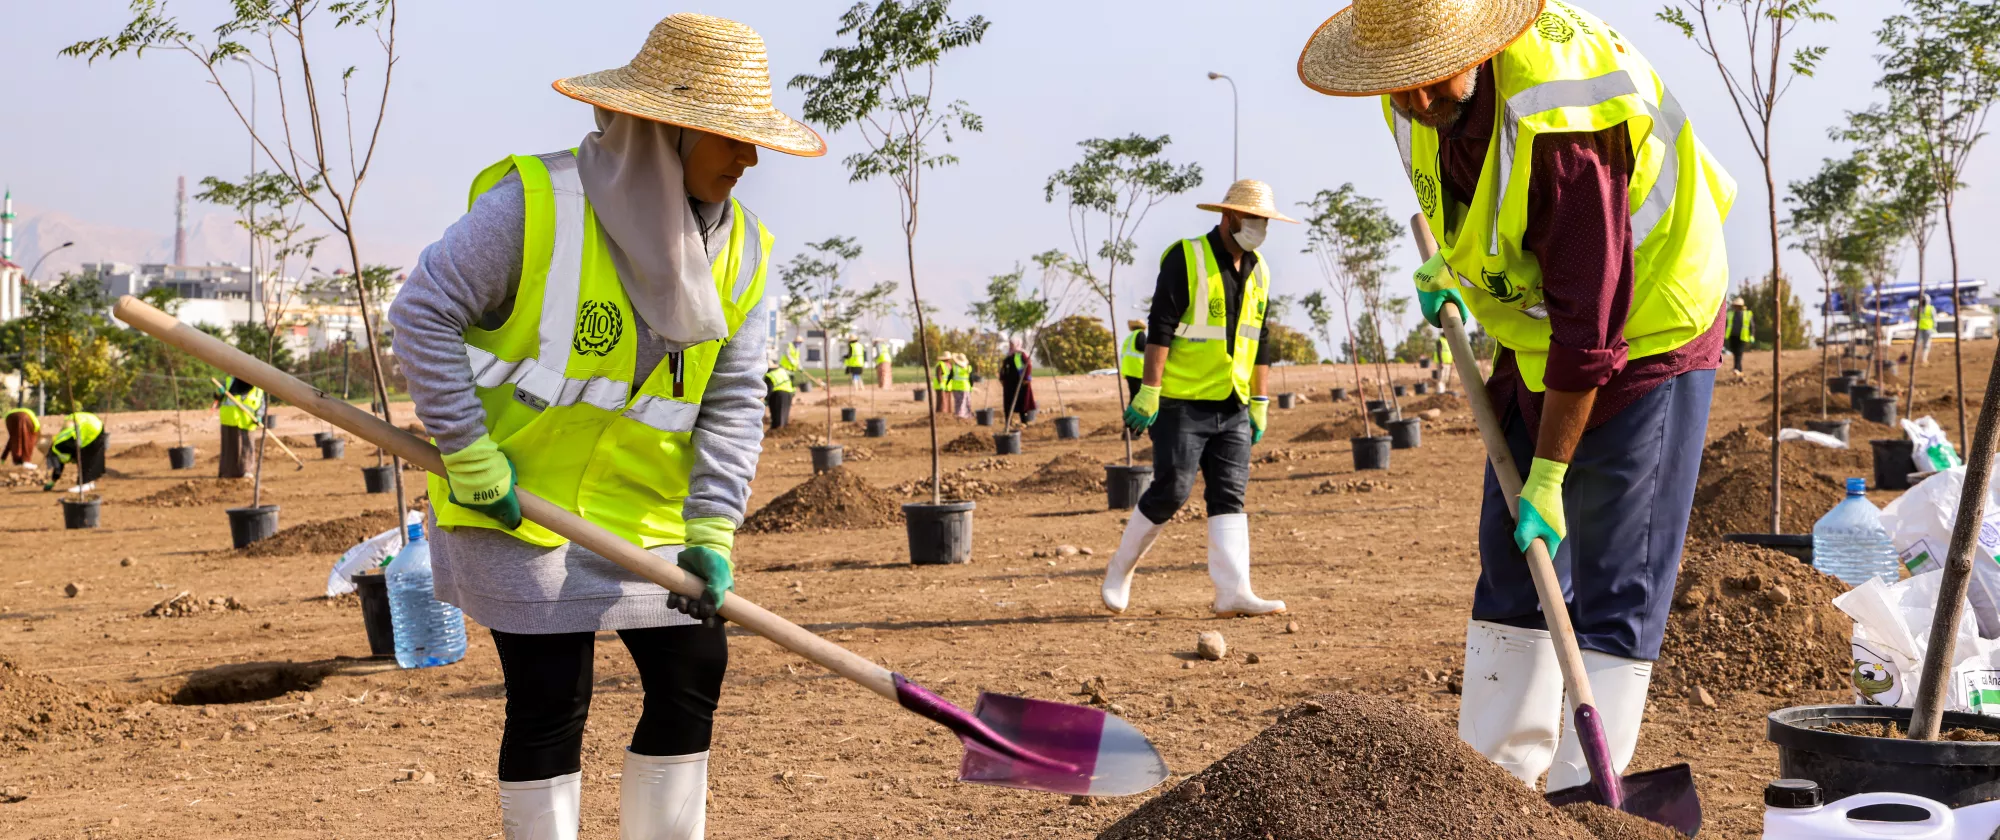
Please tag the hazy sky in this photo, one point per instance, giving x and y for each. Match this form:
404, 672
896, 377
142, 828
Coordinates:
104, 143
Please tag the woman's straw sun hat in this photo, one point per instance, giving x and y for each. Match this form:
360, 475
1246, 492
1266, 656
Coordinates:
1384, 46
1251, 198
704, 73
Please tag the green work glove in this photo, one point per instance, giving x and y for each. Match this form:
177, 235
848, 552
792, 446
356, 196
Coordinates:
1260, 416
1542, 506
709, 542
1145, 408
1435, 286
482, 479
48, 485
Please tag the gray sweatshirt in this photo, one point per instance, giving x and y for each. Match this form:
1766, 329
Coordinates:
469, 277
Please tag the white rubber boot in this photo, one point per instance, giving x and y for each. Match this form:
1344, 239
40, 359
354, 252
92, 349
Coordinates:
1620, 685
1140, 533
1229, 568
1511, 705
541, 810
663, 797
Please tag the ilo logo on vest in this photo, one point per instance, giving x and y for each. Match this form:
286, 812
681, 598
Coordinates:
598, 325
1501, 288
1216, 308
1554, 28
1427, 192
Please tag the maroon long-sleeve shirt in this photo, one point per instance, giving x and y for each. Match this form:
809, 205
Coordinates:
1580, 229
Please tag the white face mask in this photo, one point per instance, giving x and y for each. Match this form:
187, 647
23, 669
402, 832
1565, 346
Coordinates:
1251, 236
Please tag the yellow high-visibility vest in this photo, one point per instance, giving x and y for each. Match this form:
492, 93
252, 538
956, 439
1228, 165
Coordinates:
1927, 317
1202, 364
84, 428
790, 360
856, 357
1132, 356
781, 382
239, 418
1443, 352
34, 422
1739, 325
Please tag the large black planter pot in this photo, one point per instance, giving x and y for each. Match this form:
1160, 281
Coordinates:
1837, 428
379, 479
1374, 405
1955, 773
805, 385
1336, 394
1851, 373
983, 416
332, 449
1007, 443
1422, 388
250, 524
1399, 390
917, 394
1893, 463
1797, 545
374, 592
1287, 401
180, 458
1123, 484
1029, 416
827, 457
1407, 433
848, 415
1838, 384
940, 534
877, 427
1858, 394
1069, 428
270, 421
1371, 453
1879, 410
1424, 364
1384, 416
320, 438
81, 513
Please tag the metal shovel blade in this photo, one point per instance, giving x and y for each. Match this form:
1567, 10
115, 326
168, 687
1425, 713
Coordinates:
1110, 756
1665, 796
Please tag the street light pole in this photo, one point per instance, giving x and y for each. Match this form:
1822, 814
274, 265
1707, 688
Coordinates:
52, 251
1235, 125
42, 338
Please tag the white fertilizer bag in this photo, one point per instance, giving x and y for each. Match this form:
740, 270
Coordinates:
1892, 625
1919, 524
367, 555
1929, 447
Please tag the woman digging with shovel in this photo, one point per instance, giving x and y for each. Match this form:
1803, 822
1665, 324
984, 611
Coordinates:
581, 333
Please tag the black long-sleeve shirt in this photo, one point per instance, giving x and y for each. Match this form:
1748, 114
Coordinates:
1170, 296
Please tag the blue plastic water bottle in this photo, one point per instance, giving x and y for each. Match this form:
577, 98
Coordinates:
428, 631
1850, 543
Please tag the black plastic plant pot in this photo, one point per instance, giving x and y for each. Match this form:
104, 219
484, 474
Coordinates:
1407, 433
1123, 485
1375, 405
876, 427
1421, 388
1836, 428
1371, 453
81, 513
1029, 416
374, 592
825, 458
940, 534
1891, 368
332, 449
1384, 416
1954, 773
1424, 364
1069, 428
1879, 410
1894, 462
1399, 390
1336, 394
917, 394
1858, 394
1287, 401
379, 479
1852, 373
250, 524
1797, 545
320, 438
805, 386
270, 421
180, 458
983, 417
1007, 443
848, 415
1838, 384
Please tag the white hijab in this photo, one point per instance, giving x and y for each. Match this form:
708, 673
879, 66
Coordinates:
632, 173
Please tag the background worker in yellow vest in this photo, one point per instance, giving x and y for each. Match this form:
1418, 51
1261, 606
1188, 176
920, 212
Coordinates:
1737, 334
856, 360
619, 375
1202, 396
82, 441
960, 386
1132, 358
24, 431
885, 371
1926, 329
941, 382
1441, 354
238, 450
1608, 354
778, 384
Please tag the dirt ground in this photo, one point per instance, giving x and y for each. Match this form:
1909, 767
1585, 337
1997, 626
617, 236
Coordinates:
283, 728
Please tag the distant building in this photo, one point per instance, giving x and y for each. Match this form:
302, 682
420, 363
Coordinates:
13, 291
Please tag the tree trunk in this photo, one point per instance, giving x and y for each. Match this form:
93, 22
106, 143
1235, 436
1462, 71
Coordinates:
1777, 333
1923, 293
1111, 307
1957, 321
923, 350
375, 363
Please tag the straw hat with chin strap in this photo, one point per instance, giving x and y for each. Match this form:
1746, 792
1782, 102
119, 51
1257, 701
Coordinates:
1385, 46
704, 73
1250, 198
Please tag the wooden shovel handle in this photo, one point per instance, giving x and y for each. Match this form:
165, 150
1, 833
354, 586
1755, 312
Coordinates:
1548, 587
411, 448
239, 404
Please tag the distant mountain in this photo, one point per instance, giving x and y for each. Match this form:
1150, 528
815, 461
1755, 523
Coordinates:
212, 237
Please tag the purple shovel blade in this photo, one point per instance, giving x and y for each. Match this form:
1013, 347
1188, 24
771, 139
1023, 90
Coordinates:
1666, 796
1112, 757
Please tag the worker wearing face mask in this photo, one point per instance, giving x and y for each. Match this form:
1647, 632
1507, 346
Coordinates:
1202, 395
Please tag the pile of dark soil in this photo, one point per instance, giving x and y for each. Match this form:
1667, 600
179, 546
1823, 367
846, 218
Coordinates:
1752, 619
970, 443
330, 536
1895, 729
1333, 432
1343, 765
956, 484
198, 492
34, 707
148, 449
1735, 490
1607, 824
1446, 403
1070, 472
833, 500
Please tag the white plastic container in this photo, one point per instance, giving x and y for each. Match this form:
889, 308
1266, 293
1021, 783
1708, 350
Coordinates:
1977, 822
1793, 810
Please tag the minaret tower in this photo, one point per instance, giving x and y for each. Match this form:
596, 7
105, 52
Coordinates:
7, 228
180, 221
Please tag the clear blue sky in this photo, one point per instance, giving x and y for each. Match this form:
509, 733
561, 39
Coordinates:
104, 143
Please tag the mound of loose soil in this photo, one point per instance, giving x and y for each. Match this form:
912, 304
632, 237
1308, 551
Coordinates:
195, 493
1752, 619
299, 443
1446, 403
1343, 765
34, 706
148, 449
952, 485
970, 443
331, 536
1070, 472
1735, 491
1339, 432
848, 451
1607, 824
186, 604
833, 500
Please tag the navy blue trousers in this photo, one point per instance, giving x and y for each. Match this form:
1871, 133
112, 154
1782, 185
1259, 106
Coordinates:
1626, 497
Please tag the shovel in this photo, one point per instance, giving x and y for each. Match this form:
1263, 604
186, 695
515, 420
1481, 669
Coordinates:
1665, 796
1009, 741
239, 404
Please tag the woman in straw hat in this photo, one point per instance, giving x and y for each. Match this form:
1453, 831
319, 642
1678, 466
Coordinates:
591, 331
1202, 396
1532, 131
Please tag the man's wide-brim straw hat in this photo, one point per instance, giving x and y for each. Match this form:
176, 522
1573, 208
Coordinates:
1384, 46
704, 73
1251, 198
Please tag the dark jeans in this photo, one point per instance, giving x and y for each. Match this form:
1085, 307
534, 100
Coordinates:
781, 408
89, 462
1190, 438
238, 451
548, 679
1626, 499
1737, 349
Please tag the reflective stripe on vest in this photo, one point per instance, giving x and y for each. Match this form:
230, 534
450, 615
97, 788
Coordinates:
1132, 357
1202, 364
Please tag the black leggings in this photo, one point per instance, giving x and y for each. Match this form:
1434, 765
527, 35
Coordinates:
548, 679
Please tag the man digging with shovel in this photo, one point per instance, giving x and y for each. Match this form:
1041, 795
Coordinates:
1581, 222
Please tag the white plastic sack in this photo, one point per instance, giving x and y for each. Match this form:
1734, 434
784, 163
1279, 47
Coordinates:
1929, 447
1892, 625
1919, 524
1821, 438
367, 555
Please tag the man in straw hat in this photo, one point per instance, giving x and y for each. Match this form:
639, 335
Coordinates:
619, 375
1202, 395
1737, 334
1530, 131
